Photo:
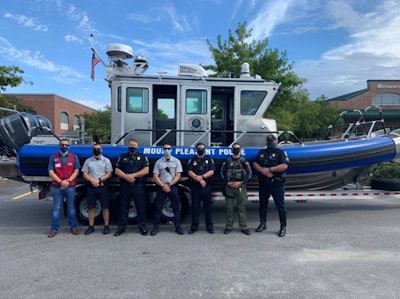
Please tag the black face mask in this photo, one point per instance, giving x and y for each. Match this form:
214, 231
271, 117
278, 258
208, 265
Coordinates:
235, 150
132, 149
96, 152
271, 145
201, 151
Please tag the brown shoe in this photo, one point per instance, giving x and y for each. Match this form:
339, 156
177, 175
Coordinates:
75, 231
52, 234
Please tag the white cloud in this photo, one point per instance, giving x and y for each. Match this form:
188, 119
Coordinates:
26, 22
371, 52
37, 60
72, 38
270, 15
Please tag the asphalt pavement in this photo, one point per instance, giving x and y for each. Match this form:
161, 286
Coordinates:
333, 249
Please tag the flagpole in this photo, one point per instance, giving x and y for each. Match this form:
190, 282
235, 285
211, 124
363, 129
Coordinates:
95, 52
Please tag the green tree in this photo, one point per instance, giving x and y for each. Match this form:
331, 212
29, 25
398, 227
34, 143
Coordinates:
98, 125
9, 76
291, 108
12, 102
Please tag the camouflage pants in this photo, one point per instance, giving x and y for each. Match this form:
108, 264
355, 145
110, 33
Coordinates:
236, 197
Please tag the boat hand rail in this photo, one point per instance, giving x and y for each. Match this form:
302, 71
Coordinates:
205, 132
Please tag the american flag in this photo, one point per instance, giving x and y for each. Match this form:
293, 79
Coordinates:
95, 61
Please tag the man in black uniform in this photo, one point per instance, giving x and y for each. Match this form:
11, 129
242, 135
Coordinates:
271, 164
132, 168
200, 170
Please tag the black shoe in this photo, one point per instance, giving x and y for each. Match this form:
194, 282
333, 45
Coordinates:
246, 232
89, 230
282, 232
154, 232
144, 232
227, 231
210, 231
261, 227
118, 233
192, 231
179, 231
106, 230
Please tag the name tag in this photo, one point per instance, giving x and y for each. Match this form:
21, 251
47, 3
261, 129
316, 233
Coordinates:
57, 165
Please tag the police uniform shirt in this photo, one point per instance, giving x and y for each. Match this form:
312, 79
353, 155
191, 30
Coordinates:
167, 168
201, 166
97, 167
132, 163
271, 157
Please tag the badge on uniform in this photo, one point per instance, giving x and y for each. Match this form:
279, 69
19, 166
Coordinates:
206, 161
273, 155
194, 163
138, 158
261, 156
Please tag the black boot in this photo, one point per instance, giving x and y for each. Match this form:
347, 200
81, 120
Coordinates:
282, 218
262, 226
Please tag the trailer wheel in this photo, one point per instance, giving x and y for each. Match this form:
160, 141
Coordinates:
167, 214
132, 214
82, 211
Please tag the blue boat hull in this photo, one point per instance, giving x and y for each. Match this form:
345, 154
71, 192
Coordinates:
316, 166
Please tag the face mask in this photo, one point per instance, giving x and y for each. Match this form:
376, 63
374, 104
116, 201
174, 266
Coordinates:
167, 152
235, 151
201, 151
64, 149
271, 145
96, 151
132, 149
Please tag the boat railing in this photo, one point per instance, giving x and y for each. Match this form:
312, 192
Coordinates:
362, 128
201, 134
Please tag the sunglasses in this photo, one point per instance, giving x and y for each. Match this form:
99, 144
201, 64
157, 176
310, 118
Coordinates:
167, 148
64, 145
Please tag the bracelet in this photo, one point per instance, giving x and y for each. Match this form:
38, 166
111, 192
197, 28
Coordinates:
60, 181
169, 185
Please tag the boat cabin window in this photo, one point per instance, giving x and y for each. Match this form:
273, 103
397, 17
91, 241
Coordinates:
137, 100
119, 99
250, 101
165, 108
196, 101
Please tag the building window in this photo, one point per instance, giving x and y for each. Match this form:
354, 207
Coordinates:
64, 121
76, 122
387, 98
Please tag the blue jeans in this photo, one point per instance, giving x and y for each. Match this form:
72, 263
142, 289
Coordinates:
58, 198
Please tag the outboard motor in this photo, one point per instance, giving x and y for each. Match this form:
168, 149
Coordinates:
18, 129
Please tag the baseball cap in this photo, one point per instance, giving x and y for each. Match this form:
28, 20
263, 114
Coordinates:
271, 138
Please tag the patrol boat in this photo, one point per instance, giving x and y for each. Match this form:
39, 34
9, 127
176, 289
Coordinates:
189, 108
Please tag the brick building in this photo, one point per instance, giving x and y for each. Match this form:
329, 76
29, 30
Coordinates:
63, 113
382, 93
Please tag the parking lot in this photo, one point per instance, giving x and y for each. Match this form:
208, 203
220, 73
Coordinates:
333, 249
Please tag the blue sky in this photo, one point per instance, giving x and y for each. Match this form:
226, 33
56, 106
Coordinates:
336, 45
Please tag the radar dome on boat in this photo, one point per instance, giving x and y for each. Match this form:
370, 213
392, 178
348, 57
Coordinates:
120, 51
192, 70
